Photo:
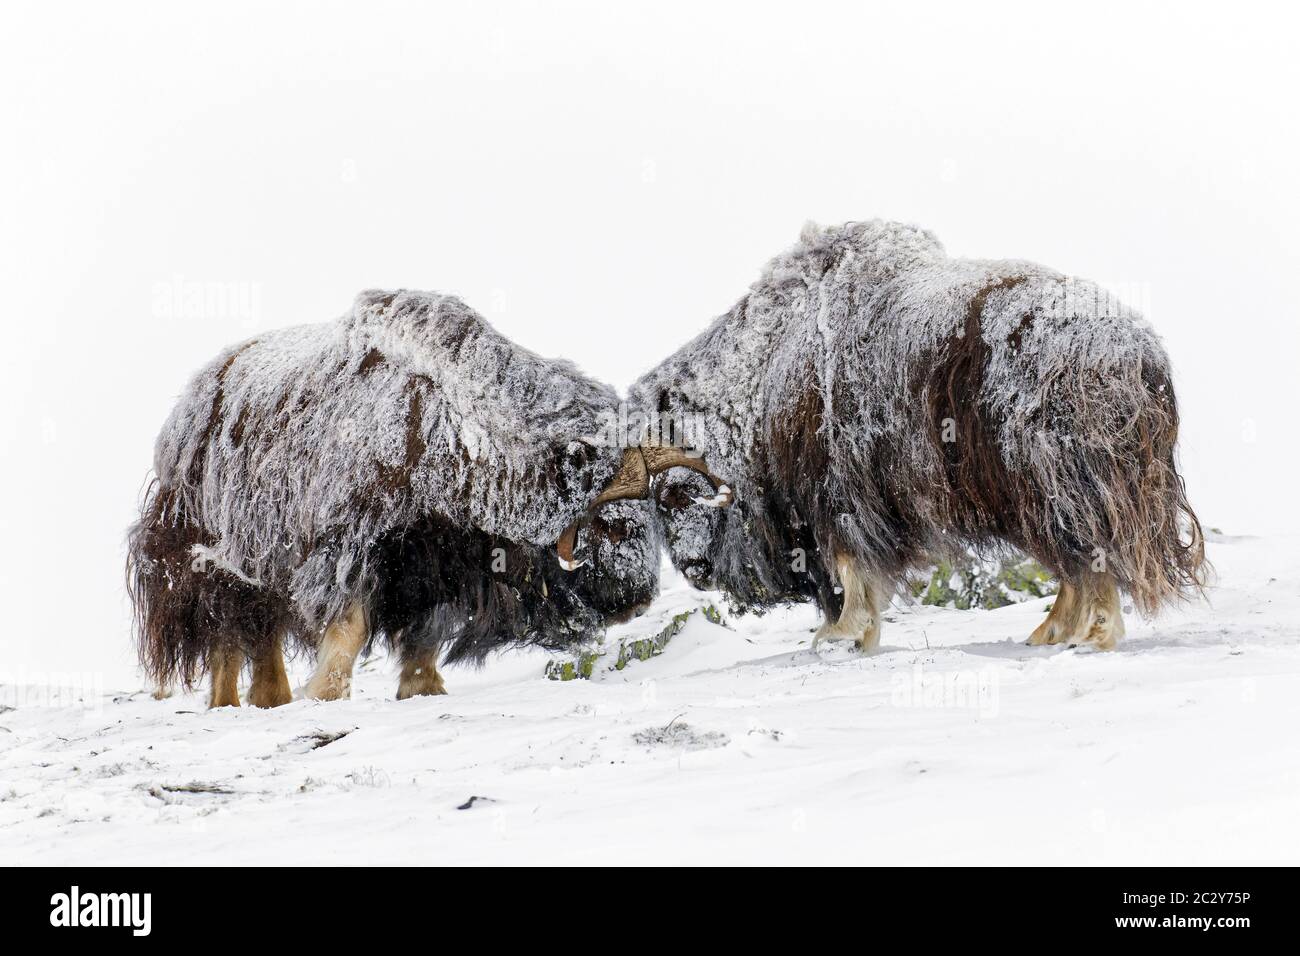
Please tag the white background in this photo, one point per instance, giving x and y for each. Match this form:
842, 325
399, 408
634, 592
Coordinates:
599, 180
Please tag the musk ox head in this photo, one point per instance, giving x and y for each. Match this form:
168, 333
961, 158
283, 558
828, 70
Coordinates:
620, 576
689, 532
638, 468
758, 558
441, 586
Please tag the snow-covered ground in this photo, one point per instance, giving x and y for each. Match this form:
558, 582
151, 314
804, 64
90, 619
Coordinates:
955, 743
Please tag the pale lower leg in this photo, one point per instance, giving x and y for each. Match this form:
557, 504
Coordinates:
859, 621
1086, 612
1061, 620
270, 682
420, 676
339, 647
1104, 620
224, 665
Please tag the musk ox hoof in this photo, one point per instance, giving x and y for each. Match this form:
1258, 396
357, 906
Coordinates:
866, 638
221, 697
1105, 632
1083, 616
333, 685
224, 665
273, 696
1046, 633
420, 682
270, 686
1102, 634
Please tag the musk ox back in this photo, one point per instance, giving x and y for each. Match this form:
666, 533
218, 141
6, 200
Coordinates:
876, 404
405, 472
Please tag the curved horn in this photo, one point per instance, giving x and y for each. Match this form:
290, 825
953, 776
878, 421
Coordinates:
632, 481
661, 459
564, 547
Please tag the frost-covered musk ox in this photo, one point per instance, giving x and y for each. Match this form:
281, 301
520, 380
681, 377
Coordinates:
406, 472
877, 404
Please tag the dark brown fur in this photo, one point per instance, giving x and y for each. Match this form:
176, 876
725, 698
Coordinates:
186, 608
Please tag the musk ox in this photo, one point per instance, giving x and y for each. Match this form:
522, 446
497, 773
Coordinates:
877, 404
404, 473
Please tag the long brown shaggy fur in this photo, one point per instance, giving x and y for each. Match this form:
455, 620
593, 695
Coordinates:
185, 607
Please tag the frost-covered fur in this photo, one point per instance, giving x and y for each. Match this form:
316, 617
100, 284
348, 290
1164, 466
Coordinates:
406, 457
872, 396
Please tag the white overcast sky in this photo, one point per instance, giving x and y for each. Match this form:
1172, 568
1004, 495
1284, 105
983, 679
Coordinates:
600, 180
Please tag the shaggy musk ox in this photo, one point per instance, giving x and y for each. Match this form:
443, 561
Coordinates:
404, 472
877, 404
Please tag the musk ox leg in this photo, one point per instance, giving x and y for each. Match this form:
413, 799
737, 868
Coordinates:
224, 664
1086, 612
859, 621
338, 651
270, 682
420, 676
1101, 618
1060, 622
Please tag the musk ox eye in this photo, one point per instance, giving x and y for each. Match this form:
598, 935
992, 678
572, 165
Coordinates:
676, 498
578, 454
682, 489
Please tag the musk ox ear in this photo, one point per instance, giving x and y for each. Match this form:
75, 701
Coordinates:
639, 465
